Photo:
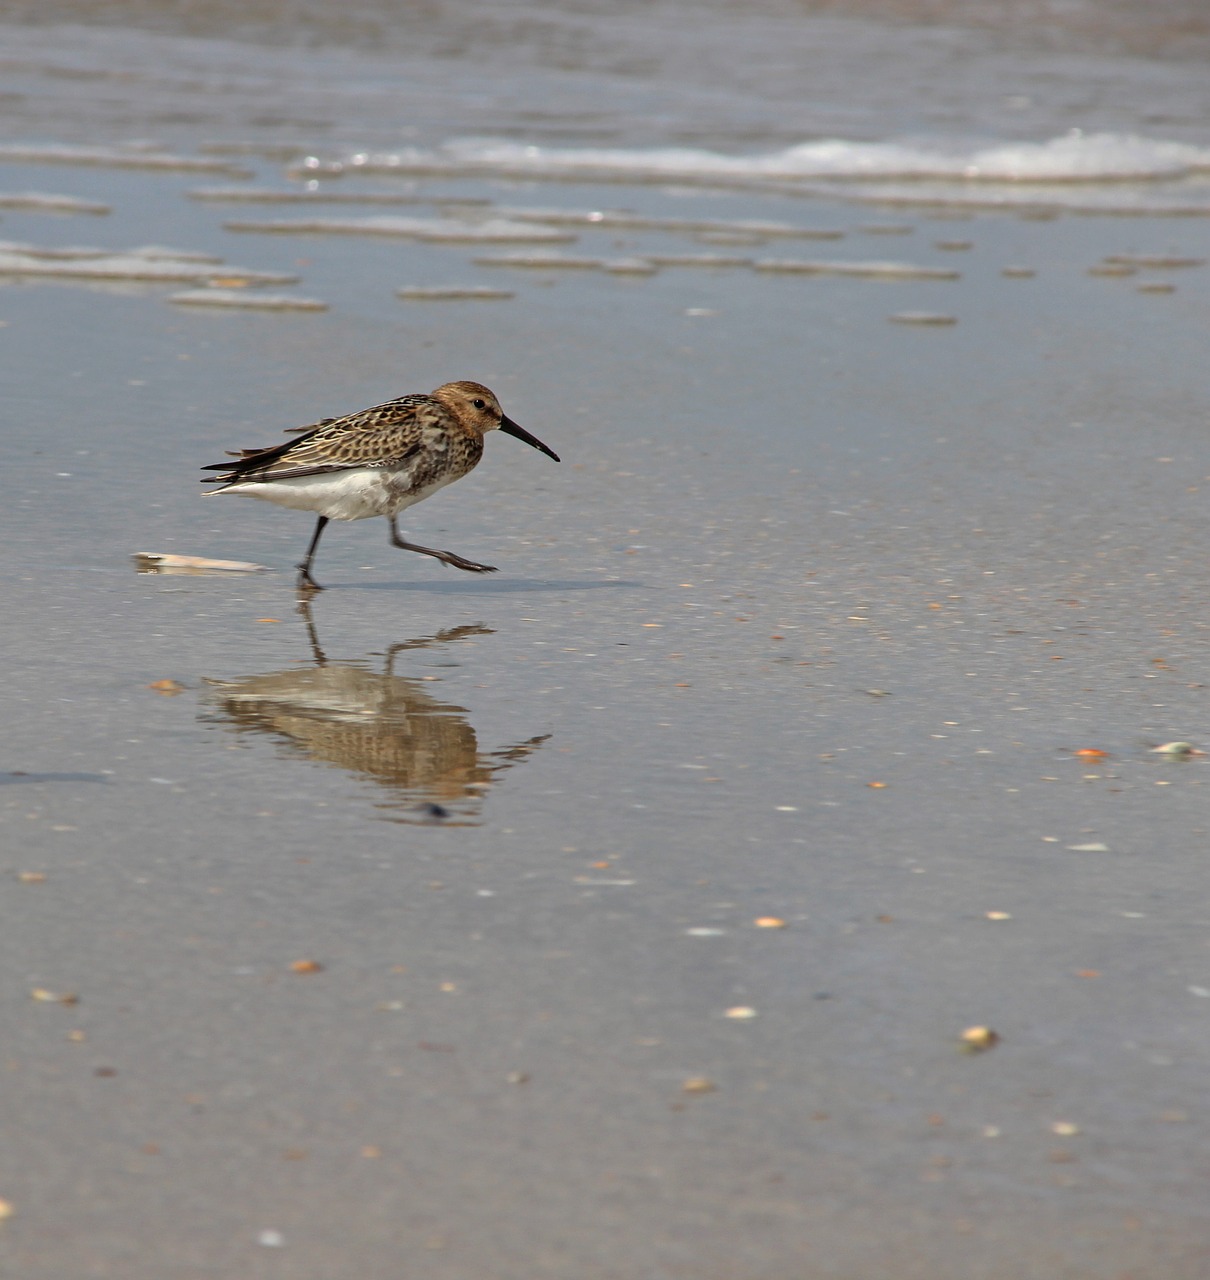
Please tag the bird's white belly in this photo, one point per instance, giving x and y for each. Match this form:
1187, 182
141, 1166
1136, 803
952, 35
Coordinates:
355, 494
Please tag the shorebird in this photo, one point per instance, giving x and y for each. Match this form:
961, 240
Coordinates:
375, 463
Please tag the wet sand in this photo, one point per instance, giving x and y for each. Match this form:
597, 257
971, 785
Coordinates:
810, 626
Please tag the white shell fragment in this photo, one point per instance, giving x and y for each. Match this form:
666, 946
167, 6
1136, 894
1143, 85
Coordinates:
162, 562
246, 300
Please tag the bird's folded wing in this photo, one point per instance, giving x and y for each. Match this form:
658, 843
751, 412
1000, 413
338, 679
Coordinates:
385, 436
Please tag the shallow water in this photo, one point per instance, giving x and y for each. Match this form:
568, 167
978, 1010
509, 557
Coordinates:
809, 624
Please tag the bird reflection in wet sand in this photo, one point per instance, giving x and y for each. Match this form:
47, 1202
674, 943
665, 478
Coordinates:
385, 727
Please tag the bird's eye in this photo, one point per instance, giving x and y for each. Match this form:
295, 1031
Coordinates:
479, 404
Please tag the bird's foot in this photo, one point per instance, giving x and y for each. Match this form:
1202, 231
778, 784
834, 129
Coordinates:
470, 566
306, 586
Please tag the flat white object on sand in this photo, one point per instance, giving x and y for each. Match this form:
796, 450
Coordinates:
163, 562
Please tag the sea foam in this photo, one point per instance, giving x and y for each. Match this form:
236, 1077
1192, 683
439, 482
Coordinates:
1072, 157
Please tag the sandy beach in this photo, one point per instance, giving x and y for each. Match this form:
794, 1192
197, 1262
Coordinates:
621, 914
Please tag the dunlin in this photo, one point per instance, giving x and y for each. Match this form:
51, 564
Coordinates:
375, 463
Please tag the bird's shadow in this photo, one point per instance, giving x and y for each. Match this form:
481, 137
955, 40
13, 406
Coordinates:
480, 586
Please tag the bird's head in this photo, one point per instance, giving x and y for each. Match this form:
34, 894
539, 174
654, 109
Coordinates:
473, 404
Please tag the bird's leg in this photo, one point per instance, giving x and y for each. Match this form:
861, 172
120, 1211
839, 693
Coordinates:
446, 557
305, 581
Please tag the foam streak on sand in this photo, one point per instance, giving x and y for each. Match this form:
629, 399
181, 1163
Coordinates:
434, 230
241, 301
326, 195
865, 270
17, 261
40, 202
114, 158
621, 220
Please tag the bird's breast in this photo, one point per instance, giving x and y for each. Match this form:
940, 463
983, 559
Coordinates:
441, 461
405, 489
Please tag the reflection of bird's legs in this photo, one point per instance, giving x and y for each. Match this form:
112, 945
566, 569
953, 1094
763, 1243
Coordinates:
510, 755
305, 581
442, 637
446, 557
304, 608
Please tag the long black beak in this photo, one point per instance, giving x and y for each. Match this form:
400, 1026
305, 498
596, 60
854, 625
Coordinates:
510, 428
